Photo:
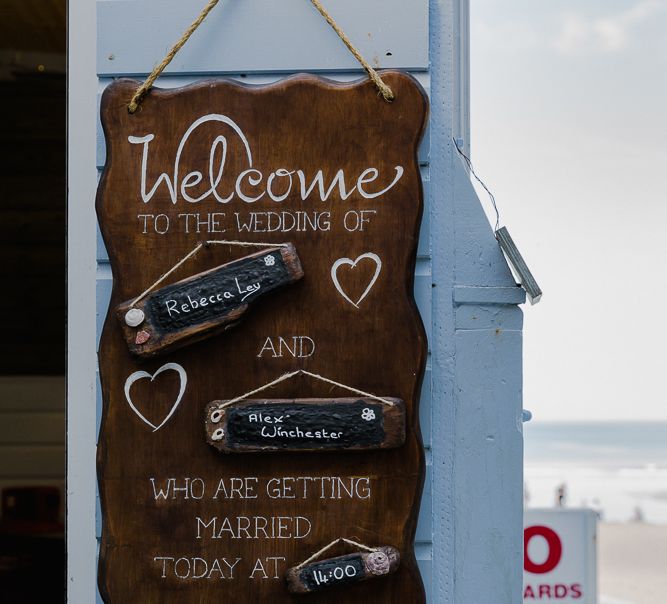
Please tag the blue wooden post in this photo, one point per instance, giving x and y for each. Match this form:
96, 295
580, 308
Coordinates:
477, 454
469, 539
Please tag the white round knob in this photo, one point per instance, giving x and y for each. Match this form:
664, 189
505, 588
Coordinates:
134, 317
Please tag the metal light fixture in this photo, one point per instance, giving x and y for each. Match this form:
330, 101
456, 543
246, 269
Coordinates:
518, 265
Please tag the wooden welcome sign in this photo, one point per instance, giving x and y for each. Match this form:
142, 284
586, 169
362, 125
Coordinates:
307, 166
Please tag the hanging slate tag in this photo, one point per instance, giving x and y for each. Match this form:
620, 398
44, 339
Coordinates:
343, 570
267, 426
207, 303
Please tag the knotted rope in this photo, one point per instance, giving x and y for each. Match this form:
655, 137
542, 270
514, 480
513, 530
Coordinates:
326, 548
192, 253
290, 375
142, 91
385, 91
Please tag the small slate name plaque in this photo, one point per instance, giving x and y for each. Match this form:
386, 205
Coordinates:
207, 303
306, 425
343, 570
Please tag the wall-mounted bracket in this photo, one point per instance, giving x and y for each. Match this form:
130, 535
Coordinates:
518, 265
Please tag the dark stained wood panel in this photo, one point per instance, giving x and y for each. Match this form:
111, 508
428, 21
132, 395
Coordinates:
181, 522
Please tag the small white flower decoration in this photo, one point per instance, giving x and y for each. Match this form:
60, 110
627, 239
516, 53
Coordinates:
368, 414
269, 260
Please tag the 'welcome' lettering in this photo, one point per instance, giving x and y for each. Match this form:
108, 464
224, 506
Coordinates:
251, 184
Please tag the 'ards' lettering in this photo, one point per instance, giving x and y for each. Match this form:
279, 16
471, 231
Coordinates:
552, 592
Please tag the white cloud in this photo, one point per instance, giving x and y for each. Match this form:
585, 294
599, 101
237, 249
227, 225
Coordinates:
519, 36
610, 33
574, 34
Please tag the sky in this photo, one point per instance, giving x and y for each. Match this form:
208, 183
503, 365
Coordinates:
569, 130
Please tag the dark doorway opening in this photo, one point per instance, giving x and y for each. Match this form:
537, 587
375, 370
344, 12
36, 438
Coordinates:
32, 300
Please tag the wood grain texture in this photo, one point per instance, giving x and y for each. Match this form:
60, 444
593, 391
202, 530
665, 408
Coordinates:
355, 304
267, 426
197, 308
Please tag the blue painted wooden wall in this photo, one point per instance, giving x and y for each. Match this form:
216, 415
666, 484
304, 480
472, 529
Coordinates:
469, 539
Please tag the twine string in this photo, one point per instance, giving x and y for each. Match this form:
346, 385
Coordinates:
193, 253
386, 92
290, 375
326, 548
481, 182
142, 91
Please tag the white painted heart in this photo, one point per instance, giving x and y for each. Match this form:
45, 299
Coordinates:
352, 263
140, 375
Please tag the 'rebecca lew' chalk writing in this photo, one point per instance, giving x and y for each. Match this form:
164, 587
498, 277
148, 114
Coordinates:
250, 185
244, 291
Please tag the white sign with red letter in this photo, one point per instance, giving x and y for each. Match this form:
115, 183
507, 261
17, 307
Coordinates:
560, 556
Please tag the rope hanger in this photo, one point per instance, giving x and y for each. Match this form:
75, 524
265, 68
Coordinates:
193, 253
326, 548
216, 416
385, 91
283, 377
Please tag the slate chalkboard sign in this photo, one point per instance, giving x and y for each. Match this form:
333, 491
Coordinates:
206, 303
306, 425
343, 570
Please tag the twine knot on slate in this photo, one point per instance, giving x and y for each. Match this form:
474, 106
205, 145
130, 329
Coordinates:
326, 548
133, 314
384, 90
370, 563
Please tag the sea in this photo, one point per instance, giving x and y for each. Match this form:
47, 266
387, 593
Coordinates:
618, 469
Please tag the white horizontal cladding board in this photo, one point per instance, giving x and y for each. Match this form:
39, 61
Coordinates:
242, 36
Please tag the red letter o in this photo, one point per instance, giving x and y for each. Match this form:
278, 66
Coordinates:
555, 549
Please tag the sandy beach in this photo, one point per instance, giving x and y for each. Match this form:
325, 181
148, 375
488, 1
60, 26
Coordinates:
632, 564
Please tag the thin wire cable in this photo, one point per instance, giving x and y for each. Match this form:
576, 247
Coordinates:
481, 182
